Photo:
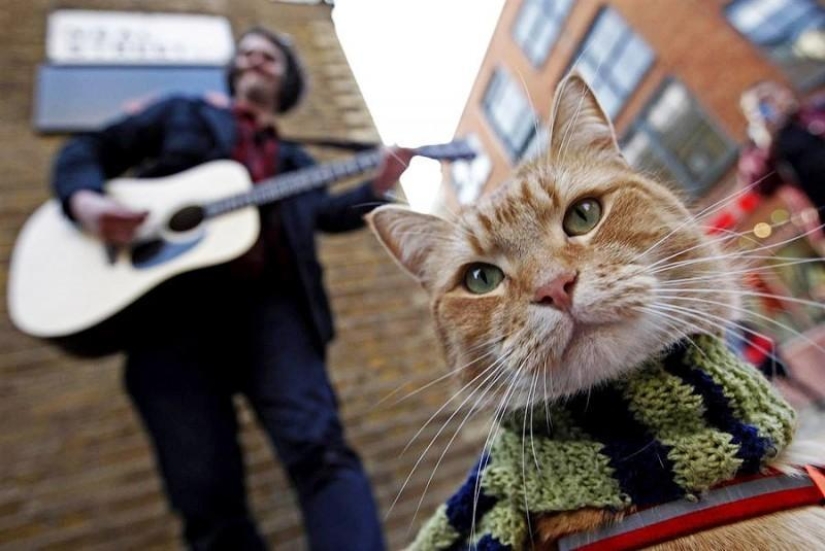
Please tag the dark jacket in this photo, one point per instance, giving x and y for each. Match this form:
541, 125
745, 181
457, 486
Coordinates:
179, 133
769, 169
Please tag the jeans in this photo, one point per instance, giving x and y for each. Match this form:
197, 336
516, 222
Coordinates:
182, 376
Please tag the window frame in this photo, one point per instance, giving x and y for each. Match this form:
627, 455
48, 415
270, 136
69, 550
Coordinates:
628, 32
667, 157
558, 19
480, 164
770, 50
514, 150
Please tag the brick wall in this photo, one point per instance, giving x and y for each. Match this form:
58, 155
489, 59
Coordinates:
75, 468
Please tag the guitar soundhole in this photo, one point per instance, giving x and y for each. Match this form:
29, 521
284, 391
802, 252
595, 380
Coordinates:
146, 252
187, 218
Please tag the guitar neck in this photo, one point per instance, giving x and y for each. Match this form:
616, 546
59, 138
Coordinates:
293, 183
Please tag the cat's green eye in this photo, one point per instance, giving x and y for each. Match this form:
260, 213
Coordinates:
582, 217
482, 278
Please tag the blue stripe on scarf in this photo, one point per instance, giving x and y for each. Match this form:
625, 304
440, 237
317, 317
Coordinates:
641, 462
470, 503
719, 414
489, 543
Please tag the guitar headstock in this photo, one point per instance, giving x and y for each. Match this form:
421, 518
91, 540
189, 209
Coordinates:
457, 150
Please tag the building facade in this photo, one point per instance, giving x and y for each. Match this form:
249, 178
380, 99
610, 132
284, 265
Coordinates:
669, 74
76, 470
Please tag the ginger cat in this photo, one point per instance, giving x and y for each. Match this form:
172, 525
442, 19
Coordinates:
568, 278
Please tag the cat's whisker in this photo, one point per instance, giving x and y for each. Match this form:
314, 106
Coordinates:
495, 370
488, 373
708, 260
707, 211
740, 253
729, 236
447, 447
733, 255
675, 292
530, 407
747, 256
650, 267
492, 432
748, 259
546, 397
674, 331
530, 102
524, 451
449, 374
672, 321
489, 368
716, 275
731, 323
739, 326
532, 421
705, 315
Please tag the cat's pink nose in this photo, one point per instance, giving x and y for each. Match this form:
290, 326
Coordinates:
558, 292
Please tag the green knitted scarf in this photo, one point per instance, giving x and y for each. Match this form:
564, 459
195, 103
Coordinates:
669, 430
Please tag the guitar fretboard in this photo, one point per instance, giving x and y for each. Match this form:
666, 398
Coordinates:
278, 187
292, 183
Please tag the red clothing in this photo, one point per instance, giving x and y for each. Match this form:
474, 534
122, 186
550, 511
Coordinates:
257, 149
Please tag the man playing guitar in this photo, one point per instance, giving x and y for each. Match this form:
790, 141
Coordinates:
257, 326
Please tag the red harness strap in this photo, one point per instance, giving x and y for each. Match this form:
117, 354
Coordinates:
739, 500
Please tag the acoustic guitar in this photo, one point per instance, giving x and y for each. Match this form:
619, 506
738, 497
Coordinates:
65, 282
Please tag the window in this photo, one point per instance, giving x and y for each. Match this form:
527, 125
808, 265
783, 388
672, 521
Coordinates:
539, 144
469, 177
81, 98
675, 140
538, 25
613, 59
509, 113
102, 64
792, 32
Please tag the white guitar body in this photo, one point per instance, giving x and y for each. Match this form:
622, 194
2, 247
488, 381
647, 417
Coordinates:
63, 281
68, 287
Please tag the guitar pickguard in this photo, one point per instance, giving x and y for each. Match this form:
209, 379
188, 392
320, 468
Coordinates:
153, 253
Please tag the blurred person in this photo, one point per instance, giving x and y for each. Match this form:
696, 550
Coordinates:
758, 349
786, 147
257, 326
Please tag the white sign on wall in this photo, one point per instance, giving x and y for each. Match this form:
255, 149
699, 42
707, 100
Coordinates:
108, 37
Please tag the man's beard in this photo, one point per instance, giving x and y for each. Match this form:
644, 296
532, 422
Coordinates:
260, 95
258, 92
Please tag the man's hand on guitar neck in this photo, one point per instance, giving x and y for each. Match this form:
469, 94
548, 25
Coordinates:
395, 162
106, 218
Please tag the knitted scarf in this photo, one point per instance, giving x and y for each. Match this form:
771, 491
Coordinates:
669, 430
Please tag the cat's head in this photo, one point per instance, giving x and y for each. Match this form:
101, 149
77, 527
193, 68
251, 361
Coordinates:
571, 274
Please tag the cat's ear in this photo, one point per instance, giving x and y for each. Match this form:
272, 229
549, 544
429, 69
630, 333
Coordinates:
410, 237
579, 123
